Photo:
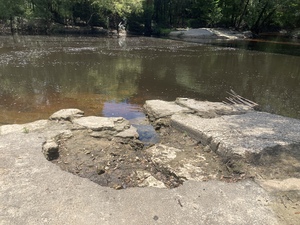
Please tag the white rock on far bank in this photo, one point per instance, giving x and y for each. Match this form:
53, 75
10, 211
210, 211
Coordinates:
209, 33
194, 33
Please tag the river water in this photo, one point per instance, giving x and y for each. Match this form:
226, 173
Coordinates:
114, 77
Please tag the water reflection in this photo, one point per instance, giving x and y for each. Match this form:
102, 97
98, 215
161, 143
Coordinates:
135, 115
40, 75
123, 109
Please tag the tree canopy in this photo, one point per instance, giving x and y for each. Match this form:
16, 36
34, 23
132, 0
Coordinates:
148, 16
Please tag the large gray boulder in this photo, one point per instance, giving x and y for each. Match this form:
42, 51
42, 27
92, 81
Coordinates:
66, 114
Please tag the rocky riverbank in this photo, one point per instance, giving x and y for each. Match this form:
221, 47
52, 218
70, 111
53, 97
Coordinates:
232, 148
108, 152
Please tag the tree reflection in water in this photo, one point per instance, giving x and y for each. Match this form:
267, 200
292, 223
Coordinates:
40, 75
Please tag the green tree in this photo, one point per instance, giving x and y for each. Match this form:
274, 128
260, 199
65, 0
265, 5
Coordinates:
10, 9
148, 10
256, 15
86, 12
118, 10
288, 14
253, 14
260, 13
234, 12
205, 13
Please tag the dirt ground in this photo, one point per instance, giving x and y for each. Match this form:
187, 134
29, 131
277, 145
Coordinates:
116, 164
123, 164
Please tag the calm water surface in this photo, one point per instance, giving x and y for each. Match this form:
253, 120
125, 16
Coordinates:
114, 77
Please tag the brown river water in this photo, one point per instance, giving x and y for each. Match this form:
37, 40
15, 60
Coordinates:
114, 77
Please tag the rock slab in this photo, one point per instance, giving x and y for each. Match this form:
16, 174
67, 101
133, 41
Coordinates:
228, 130
35, 191
66, 114
240, 134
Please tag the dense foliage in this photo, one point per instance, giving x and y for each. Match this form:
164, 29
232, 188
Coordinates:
148, 16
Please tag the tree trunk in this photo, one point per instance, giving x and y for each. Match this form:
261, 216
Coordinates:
256, 26
13, 29
148, 13
242, 15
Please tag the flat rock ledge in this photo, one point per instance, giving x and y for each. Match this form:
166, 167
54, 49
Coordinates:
73, 119
227, 129
34, 190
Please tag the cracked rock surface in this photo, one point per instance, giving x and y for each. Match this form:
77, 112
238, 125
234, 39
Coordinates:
37, 191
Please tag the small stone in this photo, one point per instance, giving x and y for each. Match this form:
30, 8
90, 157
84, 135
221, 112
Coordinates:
207, 149
117, 187
100, 170
130, 132
155, 218
50, 150
87, 152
